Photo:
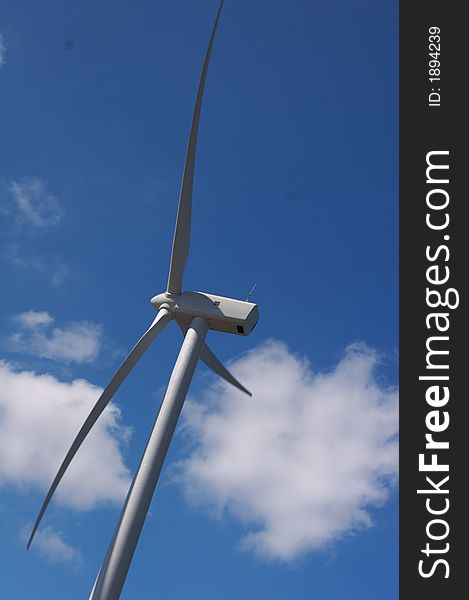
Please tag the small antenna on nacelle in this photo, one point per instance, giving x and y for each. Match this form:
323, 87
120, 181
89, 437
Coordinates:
250, 293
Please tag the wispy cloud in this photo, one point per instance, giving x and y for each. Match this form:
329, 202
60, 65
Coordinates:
78, 342
35, 205
3, 50
15, 255
39, 418
50, 543
301, 463
54, 268
30, 207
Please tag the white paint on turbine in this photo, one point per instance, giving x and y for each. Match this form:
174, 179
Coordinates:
195, 313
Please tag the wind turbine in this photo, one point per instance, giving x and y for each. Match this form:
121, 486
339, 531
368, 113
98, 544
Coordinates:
195, 313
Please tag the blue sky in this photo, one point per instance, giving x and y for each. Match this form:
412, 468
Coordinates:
295, 190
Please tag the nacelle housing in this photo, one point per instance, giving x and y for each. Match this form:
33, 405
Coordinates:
223, 314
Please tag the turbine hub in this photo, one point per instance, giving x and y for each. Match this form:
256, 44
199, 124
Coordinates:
166, 300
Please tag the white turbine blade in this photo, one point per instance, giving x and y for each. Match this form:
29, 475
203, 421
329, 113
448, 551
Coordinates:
182, 231
209, 358
161, 320
212, 362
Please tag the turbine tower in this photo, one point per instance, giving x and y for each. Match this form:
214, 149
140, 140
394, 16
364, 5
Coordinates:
195, 313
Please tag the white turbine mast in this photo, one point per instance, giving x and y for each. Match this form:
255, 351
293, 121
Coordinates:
195, 313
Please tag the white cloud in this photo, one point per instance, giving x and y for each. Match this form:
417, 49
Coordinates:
78, 342
39, 418
301, 462
3, 50
36, 206
51, 544
31, 319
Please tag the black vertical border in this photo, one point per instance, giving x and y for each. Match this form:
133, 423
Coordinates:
423, 129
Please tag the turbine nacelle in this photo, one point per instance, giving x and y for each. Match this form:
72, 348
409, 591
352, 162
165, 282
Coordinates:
223, 314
